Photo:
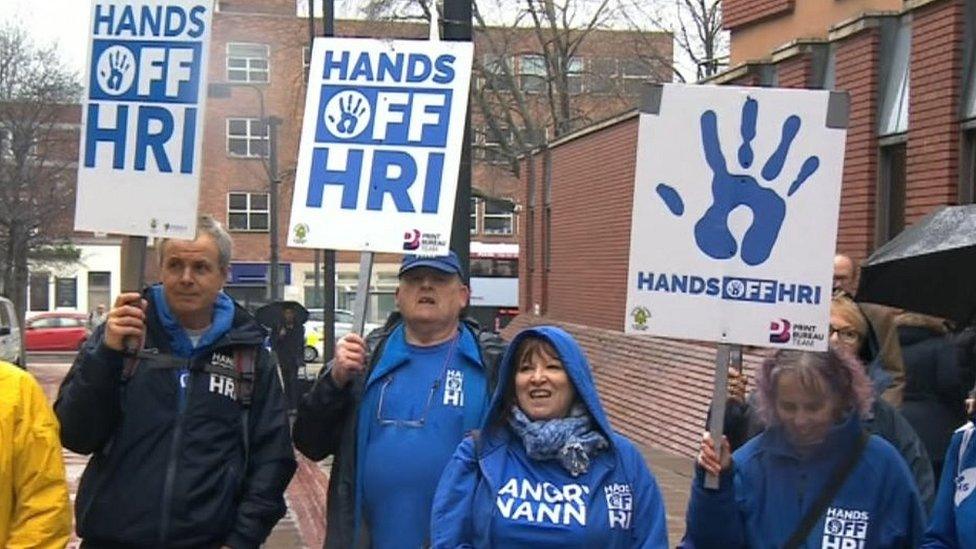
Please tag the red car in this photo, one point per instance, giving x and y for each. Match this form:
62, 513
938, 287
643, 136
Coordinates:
56, 331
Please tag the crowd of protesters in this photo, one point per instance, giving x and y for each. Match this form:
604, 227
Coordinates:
445, 436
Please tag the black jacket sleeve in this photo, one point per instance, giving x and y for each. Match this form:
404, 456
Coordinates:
322, 415
88, 404
271, 461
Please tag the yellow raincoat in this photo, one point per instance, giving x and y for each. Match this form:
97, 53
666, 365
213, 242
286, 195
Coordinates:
34, 507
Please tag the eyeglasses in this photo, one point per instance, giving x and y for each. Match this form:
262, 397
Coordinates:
400, 422
417, 422
846, 335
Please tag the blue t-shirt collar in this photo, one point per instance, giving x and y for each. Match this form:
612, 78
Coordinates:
223, 319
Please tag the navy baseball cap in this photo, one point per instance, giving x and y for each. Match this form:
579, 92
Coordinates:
446, 263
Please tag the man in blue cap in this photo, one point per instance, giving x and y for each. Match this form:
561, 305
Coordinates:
393, 407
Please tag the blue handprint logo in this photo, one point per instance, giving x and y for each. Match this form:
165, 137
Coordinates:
731, 190
347, 114
116, 70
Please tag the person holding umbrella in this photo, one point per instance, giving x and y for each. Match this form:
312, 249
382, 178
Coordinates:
288, 344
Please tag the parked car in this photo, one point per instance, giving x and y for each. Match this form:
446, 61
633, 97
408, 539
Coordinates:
9, 333
315, 328
56, 331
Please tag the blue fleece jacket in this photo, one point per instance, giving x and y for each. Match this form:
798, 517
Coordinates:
492, 494
953, 522
761, 503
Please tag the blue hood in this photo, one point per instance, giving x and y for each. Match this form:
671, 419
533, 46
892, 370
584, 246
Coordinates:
223, 320
575, 364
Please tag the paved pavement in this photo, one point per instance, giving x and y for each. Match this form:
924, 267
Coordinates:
304, 525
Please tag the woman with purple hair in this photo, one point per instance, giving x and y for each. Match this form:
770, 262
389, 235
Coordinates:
814, 477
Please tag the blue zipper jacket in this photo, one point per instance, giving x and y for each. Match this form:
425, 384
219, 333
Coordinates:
490, 490
762, 502
953, 522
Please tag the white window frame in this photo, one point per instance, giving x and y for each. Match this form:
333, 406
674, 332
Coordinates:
509, 216
252, 73
249, 211
601, 82
249, 137
475, 201
626, 78
493, 150
528, 67
574, 75
306, 61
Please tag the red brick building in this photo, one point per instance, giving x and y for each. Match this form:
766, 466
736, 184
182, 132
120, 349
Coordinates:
258, 54
909, 68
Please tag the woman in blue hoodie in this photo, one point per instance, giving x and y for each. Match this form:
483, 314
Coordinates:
546, 470
813, 403
953, 522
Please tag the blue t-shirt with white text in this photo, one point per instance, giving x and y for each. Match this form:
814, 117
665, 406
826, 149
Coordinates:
419, 404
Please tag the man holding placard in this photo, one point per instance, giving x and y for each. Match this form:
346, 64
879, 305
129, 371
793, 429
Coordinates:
393, 407
190, 438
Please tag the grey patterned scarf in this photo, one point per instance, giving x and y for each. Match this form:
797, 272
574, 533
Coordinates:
573, 440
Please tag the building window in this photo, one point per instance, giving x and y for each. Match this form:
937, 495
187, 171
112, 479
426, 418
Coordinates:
306, 61
601, 75
66, 292
247, 137
99, 289
474, 214
499, 217
493, 75
39, 294
891, 192
967, 188
894, 102
247, 212
633, 74
247, 62
532, 73
492, 145
574, 75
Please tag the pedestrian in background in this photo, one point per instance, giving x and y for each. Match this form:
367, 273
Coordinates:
289, 346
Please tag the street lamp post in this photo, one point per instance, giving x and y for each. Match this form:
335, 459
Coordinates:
271, 169
273, 280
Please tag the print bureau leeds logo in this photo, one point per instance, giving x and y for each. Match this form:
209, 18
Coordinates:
731, 189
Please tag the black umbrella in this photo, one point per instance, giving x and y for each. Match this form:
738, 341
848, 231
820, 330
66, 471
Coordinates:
273, 313
928, 268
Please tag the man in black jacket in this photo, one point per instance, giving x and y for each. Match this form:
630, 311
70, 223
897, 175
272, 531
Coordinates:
393, 407
189, 437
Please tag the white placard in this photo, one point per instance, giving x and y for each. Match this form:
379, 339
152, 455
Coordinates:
736, 198
381, 145
142, 122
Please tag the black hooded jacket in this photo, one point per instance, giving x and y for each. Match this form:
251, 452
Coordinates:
160, 476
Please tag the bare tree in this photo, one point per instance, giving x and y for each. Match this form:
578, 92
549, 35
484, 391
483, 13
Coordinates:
37, 156
543, 98
697, 29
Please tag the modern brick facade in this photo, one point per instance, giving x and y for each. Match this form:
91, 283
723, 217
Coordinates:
921, 114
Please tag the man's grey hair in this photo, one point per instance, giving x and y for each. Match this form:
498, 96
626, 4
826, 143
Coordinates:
207, 225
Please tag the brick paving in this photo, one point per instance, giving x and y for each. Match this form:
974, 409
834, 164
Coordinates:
304, 525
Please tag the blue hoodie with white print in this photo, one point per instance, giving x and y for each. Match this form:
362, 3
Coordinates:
492, 494
953, 522
771, 486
